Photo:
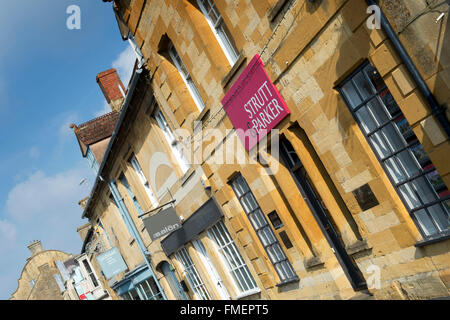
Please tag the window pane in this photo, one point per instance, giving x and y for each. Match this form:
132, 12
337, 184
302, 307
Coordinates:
395, 170
366, 119
393, 137
380, 145
390, 103
377, 110
134, 295
352, 96
425, 222
422, 187
421, 155
364, 87
249, 203
408, 163
257, 219
437, 182
405, 129
409, 195
440, 217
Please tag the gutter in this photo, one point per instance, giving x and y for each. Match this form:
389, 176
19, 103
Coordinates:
86, 239
437, 110
113, 139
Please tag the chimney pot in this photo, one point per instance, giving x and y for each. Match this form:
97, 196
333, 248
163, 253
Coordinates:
35, 247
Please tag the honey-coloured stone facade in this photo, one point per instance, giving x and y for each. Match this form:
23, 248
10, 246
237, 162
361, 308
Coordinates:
308, 49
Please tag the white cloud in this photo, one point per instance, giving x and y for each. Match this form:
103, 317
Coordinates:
42, 207
43, 197
124, 64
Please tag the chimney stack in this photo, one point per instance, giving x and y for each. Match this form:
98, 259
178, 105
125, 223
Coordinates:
35, 247
112, 88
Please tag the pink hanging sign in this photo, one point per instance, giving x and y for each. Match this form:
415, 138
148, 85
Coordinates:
254, 104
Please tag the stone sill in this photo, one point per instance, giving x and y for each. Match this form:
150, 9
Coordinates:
357, 246
428, 241
233, 70
248, 293
288, 281
313, 262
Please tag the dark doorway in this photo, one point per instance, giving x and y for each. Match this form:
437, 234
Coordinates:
306, 188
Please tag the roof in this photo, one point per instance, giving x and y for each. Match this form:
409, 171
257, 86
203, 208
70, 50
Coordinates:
112, 143
96, 129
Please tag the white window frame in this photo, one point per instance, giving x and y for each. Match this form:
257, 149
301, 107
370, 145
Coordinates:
93, 164
236, 267
91, 275
179, 64
211, 269
218, 27
138, 170
175, 146
195, 281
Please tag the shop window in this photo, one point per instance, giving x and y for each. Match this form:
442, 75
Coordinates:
179, 64
192, 275
219, 29
402, 156
138, 170
145, 290
229, 253
262, 228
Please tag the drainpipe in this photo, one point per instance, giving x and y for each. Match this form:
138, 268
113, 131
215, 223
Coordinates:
437, 110
134, 232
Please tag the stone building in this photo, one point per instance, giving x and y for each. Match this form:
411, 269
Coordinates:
351, 201
38, 280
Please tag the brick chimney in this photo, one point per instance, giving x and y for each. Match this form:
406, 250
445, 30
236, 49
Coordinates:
112, 88
35, 247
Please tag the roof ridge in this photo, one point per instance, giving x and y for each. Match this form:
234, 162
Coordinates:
96, 119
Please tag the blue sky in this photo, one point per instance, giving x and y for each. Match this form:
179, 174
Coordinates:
47, 82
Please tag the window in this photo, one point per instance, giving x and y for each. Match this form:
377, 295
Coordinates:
232, 258
219, 29
90, 273
186, 77
172, 141
263, 229
130, 193
194, 279
275, 219
137, 168
214, 275
396, 146
145, 290
93, 164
